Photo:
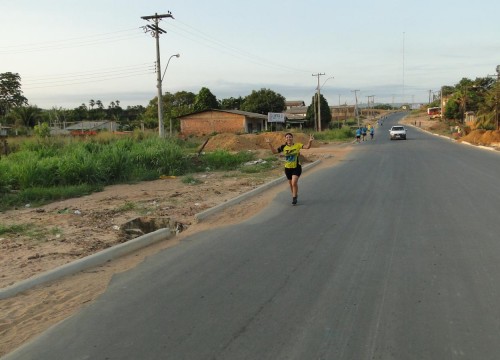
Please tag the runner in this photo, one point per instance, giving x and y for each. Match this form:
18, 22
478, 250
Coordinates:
293, 169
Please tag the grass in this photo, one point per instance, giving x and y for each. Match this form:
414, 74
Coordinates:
191, 180
42, 171
33, 232
128, 206
343, 134
13, 229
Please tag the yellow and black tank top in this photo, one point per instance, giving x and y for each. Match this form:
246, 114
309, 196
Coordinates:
291, 154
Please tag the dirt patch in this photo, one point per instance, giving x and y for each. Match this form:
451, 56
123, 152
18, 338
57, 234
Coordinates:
67, 230
489, 138
483, 137
433, 125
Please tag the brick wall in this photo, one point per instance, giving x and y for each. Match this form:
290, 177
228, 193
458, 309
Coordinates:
209, 122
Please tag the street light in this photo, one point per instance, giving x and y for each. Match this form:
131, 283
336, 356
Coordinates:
168, 62
171, 56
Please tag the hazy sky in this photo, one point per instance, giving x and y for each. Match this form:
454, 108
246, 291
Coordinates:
68, 52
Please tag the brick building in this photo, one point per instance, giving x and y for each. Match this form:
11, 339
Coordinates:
222, 121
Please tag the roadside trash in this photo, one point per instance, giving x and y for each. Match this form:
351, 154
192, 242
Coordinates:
255, 162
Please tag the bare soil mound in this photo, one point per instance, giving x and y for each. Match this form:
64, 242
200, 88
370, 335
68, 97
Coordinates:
483, 137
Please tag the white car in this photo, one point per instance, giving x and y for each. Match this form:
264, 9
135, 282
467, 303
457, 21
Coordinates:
397, 132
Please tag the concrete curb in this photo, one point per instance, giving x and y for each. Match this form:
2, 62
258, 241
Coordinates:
127, 247
86, 262
206, 213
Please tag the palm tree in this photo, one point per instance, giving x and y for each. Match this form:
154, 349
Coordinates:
92, 103
27, 116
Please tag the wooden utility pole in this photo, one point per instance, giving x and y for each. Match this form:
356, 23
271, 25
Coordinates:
318, 118
356, 105
155, 31
497, 89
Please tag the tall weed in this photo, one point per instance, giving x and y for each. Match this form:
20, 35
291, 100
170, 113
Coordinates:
224, 160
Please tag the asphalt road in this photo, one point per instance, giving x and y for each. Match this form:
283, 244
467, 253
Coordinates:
393, 254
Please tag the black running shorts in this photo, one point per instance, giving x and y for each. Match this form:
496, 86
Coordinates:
289, 172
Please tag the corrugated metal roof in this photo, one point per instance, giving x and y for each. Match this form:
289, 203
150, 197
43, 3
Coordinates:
91, 125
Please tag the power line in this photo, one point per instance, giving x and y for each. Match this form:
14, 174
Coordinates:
192, 34
90, 40
104, 71
83, 78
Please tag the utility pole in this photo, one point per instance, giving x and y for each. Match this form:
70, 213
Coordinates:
404, 68
442, 102
356, 105
155, 31
368, 106
497, 89
339, 113
373, 106
370, 110
318, 128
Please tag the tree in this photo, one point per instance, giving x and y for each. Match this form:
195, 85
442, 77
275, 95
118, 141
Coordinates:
27, 116
263, 101
231, 103
452, 109
134, 116
80, 113
42, 130
174, 105
184, 99
326, 115
10, 92
487, 116
57, 116
205, 100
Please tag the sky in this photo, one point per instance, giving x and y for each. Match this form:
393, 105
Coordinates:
68, 52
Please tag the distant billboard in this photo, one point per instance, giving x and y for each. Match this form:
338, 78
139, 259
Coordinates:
276, 117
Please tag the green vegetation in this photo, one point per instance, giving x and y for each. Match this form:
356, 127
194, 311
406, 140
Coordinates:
49, 169
13, 229
191, 180
343, 134
33, 232
128, 206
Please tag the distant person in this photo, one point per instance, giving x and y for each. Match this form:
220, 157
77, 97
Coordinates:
358, 135
363, 132
372, 132
293, 169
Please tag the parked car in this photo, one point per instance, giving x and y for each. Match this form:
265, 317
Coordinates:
397, 132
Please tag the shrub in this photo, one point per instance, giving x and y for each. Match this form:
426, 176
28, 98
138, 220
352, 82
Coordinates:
224, 160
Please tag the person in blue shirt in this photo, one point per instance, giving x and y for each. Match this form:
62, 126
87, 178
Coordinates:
372, 132
363, 132
358, 134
